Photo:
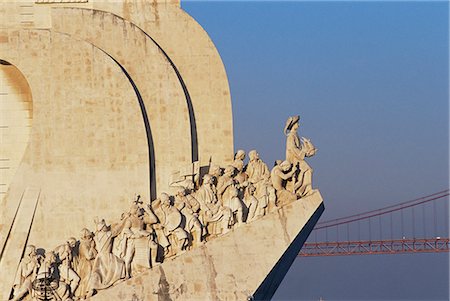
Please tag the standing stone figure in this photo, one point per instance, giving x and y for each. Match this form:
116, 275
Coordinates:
26, 273
135, 242
65, 256
107, 267
251, 203
171, 220
86, 256
226, 184
190, 222
296, 151
239, 158
241, 178
258, 174
214, 216
235, 205
151, 217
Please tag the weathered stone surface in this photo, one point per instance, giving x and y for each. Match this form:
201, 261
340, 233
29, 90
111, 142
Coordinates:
230, 267
184, 42
18, 237
88, 146
152, 75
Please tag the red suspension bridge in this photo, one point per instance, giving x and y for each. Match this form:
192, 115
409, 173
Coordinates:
416, 226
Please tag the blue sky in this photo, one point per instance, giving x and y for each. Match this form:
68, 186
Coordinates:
370, 82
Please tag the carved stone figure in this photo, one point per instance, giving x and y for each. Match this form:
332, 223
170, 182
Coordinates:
256, 169
216, 172
279, 175
65, 254
136, 244
239, 158
152, 221
213, 215
251, 203
226, 184
270, 195
171, 220
240, 177
48, 284
227, 197
189, 194
107, 267
235, 205
26, 273
86, 256
258, 174
190, 222
296, 151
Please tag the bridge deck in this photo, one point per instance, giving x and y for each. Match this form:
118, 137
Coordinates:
364, 247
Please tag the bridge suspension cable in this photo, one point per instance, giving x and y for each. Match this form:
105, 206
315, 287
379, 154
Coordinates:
384, 234
381, 211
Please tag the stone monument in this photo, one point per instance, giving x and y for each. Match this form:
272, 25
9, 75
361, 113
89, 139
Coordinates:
120, 181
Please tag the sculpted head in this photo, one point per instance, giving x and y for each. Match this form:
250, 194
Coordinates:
285, 165
50, 257
215, 170
165, 198
72, 241
86, 234
229, 170
292, 124
30, 250
207, 180
240, 155
101, 226
253, 155
181, 192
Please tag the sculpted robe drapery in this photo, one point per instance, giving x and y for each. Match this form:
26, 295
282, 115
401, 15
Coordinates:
295, 154
258, 172
26, 273
107, 267
86, 255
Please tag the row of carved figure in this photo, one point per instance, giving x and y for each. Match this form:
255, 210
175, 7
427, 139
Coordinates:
147, 234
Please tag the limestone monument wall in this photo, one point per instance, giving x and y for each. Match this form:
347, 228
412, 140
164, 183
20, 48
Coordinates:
155, 60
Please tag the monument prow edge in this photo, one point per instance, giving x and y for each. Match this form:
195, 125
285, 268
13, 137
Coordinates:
248, 263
